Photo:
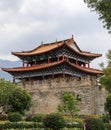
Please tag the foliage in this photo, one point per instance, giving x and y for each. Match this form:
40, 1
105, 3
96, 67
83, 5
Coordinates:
54, 121
76, 126
108, 126
37, 118
19, 100
32, 125
13, 98
74, 123
94, 124
28, 117
6, 88
103, 8
14, 117
20, 125
68, 104
105, 80
3, 117
108, 105
105, 118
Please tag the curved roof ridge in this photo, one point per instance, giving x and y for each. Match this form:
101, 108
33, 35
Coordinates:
90, 70
17, 69
35, 67
43, 48
85, 53
56, 43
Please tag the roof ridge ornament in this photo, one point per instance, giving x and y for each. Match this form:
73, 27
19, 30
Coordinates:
72, 36
42, 43
56, 39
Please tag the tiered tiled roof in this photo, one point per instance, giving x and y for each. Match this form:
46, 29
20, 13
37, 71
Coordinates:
65, 55
51, 46
43, 66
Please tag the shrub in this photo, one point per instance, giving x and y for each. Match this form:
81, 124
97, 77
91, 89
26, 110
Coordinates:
28, 117
108, 126
94, 124
37, 118
19, 125
54, 121
105, 118
3, 117
14, 117
73, 125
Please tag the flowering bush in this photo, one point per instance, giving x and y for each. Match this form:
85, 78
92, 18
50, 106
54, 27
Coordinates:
54, 121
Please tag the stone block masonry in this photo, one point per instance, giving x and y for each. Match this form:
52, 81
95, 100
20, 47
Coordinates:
46, 94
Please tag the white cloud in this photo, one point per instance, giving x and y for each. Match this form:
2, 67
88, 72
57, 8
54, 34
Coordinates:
25, 23
40, 6
9, 57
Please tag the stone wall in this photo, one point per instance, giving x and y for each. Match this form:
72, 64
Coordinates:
46, 94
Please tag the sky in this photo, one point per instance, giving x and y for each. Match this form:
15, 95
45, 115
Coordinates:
24, 24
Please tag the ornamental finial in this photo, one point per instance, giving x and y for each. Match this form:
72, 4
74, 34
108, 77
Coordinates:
56, 39
42, 43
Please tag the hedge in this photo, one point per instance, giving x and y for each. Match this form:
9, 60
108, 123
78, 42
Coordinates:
20, 125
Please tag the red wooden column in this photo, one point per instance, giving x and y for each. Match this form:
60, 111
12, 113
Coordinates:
88, 65
84, 65
48, 60
57, 58
23, 64
76, 61
35, 62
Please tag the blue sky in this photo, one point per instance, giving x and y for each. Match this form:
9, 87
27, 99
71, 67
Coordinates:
25, 23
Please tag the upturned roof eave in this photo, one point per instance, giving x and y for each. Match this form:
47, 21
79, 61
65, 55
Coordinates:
31, 52
26, 53
83, 53
23, 69
87, 54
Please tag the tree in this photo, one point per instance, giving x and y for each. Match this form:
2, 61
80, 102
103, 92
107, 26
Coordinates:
68, 104
108, 105
13, 98
19, 100
105, 80
103, 8
5, 90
